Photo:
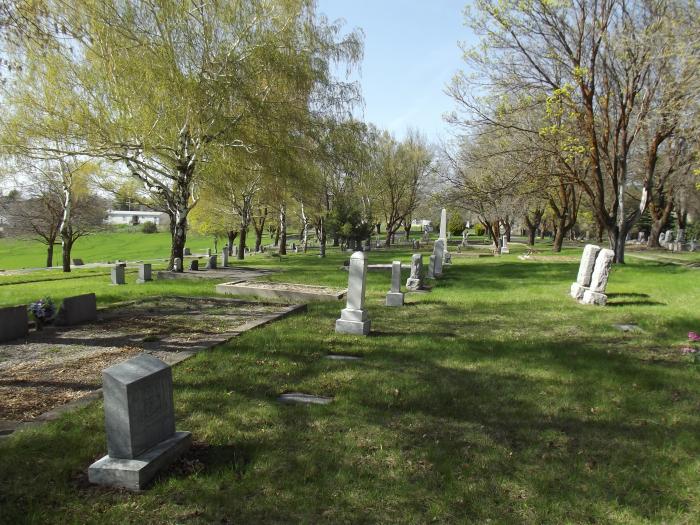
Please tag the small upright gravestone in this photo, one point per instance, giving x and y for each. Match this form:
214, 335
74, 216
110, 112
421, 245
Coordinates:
415, 280
194, 265
187, 251
14, 323
177, 264
504, 245
395, 295
353, 318
78, 262
224, 257
118, 274
585, 271
439, 252
144, 273
595, 294
139, 422
77, 309
211, 263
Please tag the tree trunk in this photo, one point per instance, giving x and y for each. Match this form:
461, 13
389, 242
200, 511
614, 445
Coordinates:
559, 232
241, 243
179, 237
283, 230
231, 234
531, 233
49, 254
66, 249
322, 240
379, 228
407, 229
336, 240
507, 230
258, 239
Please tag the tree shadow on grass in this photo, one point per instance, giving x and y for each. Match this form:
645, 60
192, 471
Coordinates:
635, 303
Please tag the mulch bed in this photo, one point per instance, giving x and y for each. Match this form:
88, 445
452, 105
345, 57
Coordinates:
58, 365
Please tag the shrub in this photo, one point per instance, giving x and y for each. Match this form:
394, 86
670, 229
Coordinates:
149, 227
479, 229
456, 224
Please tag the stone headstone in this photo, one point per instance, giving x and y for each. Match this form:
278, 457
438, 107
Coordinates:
14, 323
224, 257
78, 262
353, 318
194, 265
139, 422
144, 273
439, 252
504, 244
395, 296
177, 264
211, 263
118, 274
431, 267
640, 237
235, 251
415, 280
443, 224
77, 309
595, 294
585, 271
187, 251
693, 245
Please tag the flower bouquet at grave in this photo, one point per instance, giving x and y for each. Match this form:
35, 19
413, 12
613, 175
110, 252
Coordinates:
692, 348
43, 311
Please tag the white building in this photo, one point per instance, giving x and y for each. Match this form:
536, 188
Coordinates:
137, 217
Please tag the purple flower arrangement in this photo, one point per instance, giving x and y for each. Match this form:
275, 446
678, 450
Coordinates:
692, 348
43, 311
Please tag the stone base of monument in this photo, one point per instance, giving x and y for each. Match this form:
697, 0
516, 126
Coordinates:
352, 322
447, 259
504, 250
590, 297
394, 299
577, 291
413, 285
135, 474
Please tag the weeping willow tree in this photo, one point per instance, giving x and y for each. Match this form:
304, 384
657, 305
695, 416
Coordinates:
160, 87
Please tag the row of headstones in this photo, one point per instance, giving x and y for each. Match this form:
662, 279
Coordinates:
666, 241
593, 274
353, 318
118, 273
14, 320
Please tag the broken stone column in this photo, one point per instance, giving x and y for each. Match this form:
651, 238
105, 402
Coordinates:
415, 280
353, 318
395, 295
595, 294
585, 271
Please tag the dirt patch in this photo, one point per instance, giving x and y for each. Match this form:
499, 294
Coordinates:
58, 365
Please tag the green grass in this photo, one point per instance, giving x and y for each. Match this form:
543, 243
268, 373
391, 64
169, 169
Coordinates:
494, 397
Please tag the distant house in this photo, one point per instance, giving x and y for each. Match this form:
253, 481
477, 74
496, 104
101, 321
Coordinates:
137, 217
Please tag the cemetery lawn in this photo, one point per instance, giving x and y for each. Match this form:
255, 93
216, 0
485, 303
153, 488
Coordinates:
495, 396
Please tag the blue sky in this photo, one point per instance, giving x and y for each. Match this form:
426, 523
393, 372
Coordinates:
411, 52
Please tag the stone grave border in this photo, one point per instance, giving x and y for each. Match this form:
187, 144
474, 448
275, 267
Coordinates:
251, 289
177, 358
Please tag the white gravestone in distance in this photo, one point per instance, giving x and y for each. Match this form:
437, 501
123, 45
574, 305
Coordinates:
446, 256
595, 293
353, 318
439, 252
177, 264
585, 271
224, 257
395, 295
211, 263
144, 273
415, 280
139, 422
504, 244
118, 274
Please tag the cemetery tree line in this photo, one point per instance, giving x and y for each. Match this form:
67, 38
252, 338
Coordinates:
168, 91
578, 105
